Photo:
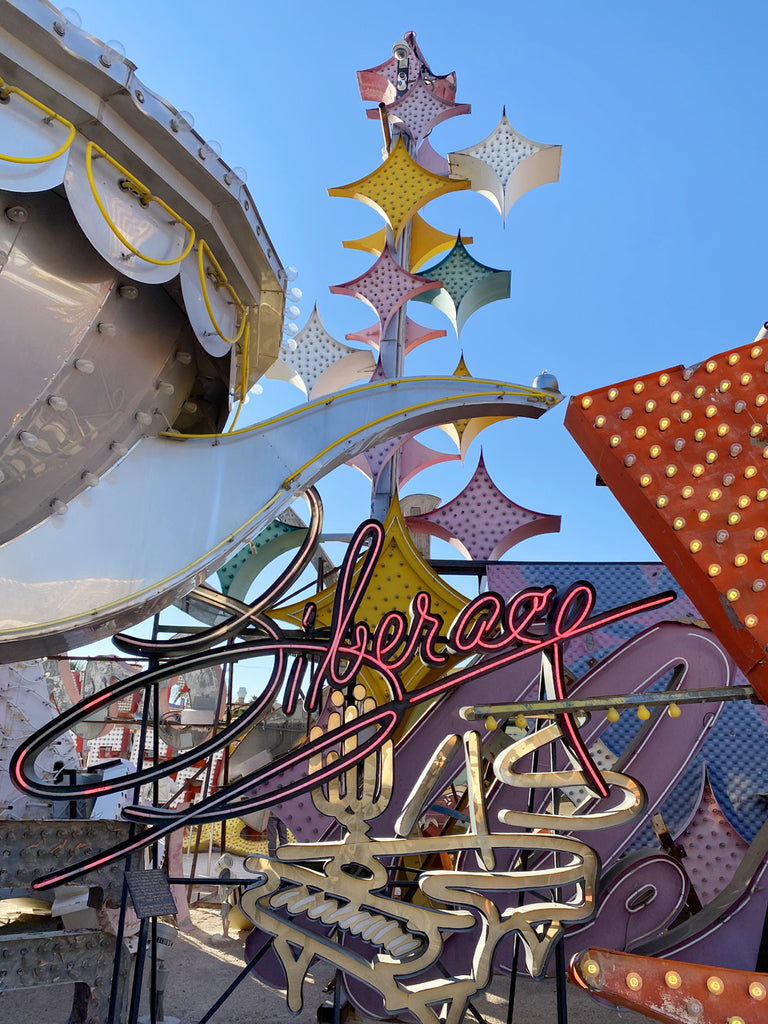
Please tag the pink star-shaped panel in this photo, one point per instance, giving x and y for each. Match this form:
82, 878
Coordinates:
414, 457
419, 110
482, 522
415, 335
385, 287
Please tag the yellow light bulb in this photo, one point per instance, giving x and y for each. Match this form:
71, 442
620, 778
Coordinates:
750, 621
645, 480
664, 379
638, 387
615, 441
612, 715
640, 432
749, 472
710, 411
650, 405
685, 415
695, 546
521, 722
687, 491
744, 501
715, 985
733, 594
756, 352
699, 390
733, 518
600, 421
613, 394
714, 569
664, 422
733, 358
724, 385
662, 501
674, 712
740, 560
760, 533
697, 470
746, 378
655, 451
678, 523
711, 366
761, 400
757, 990
703, 516
586, 402
699, 434
673, 979
755, 429
675, 397
722, 430
715, 494
711, 457
643, 713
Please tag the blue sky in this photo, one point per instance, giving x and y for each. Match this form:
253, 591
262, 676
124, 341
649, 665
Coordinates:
647, 254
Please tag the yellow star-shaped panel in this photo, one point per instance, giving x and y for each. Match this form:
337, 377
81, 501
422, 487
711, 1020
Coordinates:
463, 432
399, 575
399, 187
426, 243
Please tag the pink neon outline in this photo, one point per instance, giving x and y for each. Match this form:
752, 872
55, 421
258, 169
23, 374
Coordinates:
221, 799
481, 625
507, 659
573, 736
347, 601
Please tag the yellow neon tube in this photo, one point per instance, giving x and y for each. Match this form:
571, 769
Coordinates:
222, 282
146, 198
8, 90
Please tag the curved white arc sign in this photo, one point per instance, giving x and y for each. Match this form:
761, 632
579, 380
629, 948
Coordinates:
172, 511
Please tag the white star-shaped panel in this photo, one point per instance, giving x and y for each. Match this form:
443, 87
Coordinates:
318, 364
506, 165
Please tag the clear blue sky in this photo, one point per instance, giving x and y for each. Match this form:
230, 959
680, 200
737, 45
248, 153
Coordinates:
648, 253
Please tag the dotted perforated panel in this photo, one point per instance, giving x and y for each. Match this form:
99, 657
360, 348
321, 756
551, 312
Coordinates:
419, 110
415, 335
232, 567
503, 150
426, 243
735, 752
399, 188
414, 457
481, 521
385, 287
317, 354
714, 850
465, 285
685, 452
378, 84
506, 165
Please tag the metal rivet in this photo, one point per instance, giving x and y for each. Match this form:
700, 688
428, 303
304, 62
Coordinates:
17, 214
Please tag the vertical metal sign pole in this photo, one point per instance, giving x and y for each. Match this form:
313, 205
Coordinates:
124, 897
156, 801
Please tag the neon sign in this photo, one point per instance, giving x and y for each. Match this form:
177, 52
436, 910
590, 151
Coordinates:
535, 621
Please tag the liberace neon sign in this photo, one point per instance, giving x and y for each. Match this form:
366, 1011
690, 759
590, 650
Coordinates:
534, 621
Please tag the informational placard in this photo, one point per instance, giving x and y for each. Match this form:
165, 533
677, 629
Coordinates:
151, 893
